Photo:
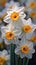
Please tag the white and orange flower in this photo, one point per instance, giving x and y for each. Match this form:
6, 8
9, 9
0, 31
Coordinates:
9, 33
11, 4
28, 26
4, 56
31, 37
15, 15
25, 49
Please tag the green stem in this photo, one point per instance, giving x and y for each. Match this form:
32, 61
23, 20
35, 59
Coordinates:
24, 61
12, 54
27, 61
16, 60
20, 61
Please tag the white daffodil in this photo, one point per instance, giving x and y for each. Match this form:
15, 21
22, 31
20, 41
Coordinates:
11, 4
31, 37
4, 56
32, 14
25, 49
15, 15
28, 26
30, 4
9, 33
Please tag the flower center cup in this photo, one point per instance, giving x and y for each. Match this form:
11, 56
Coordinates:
32, 5
27, 28
2, 61
33, 39
33, 14
25, 49
2, 2
9, 35
14, 16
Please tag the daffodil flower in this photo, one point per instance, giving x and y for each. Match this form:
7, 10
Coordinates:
31, 37
30, 6
28, 26
9, 33
33, 14
4, 56
15, 15
11, 4
25, 49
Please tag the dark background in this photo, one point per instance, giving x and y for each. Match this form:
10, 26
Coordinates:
33, 60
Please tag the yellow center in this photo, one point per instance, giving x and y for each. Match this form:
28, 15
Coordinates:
24, 49
27, 28
9, 35
2, 61
14, 16
32, 5
33, 39
2, 2
33, 14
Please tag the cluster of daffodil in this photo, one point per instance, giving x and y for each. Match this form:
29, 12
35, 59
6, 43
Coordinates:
16, 29
31, 8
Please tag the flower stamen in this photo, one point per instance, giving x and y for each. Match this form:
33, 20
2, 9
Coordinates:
33, 14
27, 28
33, 39
9, 35
32, 5
2, 60
14, 16
25, 49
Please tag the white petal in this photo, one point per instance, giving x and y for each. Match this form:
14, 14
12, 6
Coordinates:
17, 32
17, 51
22, 55
9, 11
29, 35
29, 21
4, 53
29, 56
33, 27
7, 19
30, 45
21, 9
7, 42
7, 57
32, 51
23, 16
0, 53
